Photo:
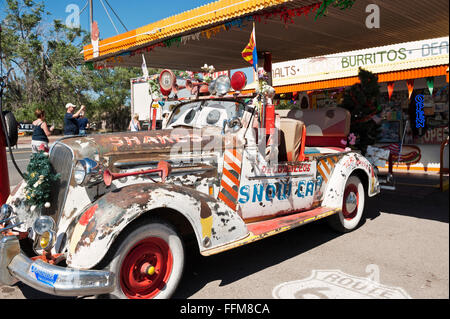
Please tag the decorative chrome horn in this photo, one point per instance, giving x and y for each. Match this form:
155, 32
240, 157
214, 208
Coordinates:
163, 168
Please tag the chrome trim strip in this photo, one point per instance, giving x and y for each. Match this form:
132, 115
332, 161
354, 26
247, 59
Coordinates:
278, 176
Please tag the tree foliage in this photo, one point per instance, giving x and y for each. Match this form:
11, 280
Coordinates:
362, 100
50, 70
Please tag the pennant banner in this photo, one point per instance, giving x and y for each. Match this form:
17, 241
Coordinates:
390, 87
430, 84
410, 84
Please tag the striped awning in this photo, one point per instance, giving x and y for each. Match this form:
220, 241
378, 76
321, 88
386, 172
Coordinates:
217, 32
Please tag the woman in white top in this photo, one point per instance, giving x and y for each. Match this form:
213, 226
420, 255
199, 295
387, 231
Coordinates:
134, 124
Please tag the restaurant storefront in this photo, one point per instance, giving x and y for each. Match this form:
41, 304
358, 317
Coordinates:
404, 71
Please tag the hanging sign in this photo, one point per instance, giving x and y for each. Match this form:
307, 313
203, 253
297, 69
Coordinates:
390, 58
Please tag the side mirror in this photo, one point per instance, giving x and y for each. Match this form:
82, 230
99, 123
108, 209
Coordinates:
11, 129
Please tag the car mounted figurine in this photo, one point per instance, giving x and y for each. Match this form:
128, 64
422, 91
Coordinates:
126, 203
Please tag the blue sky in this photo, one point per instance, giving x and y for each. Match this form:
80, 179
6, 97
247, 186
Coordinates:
133, 13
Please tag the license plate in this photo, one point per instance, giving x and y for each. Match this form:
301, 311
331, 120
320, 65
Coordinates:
43, 275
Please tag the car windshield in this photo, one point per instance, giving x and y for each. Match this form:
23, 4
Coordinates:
206, 113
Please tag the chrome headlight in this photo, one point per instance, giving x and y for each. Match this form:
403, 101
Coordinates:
43, 224
212, 87
223, 85
79, 173
87, 171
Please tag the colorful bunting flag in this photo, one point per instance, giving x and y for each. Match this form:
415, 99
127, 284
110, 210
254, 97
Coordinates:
410, 84
430, 84
249, 53
390, 87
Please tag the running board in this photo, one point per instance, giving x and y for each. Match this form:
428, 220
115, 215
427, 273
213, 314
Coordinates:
273, 226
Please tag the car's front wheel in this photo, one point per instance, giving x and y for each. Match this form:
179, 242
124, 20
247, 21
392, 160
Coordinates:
148, 263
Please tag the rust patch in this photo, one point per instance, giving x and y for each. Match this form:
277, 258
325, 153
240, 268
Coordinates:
205, 211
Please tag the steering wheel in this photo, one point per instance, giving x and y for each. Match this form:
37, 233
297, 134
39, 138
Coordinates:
235, 121
232, 124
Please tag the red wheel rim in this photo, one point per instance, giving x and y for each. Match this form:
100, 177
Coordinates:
351, 201
134, 283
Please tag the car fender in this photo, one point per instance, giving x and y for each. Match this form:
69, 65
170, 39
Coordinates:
92, 233
349, 164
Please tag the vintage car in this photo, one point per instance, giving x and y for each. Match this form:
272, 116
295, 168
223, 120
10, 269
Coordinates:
126, 203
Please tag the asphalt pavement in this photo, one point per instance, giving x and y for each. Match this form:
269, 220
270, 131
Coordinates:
403, 240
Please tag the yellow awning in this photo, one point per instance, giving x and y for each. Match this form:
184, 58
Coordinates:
217, 33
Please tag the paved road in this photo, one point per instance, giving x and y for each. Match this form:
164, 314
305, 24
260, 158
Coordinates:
405, 234
22, 158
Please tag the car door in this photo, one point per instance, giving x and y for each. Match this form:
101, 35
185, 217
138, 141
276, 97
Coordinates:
272, 188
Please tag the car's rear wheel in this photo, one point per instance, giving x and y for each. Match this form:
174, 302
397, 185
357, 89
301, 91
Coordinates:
352, 206
148, 263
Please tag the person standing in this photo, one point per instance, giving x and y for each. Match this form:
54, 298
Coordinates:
41, 132
83, 124
134, 125
165, 116
70, 119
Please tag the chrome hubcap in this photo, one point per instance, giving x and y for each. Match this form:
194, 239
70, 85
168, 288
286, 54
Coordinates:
351, 202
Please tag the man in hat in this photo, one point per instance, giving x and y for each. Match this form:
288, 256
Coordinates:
70, 119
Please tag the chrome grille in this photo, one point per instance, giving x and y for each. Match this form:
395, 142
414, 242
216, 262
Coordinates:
61, 158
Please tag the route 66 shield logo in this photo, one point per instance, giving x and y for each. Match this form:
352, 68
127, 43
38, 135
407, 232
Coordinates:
335, 284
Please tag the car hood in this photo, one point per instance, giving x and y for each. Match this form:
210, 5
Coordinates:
113, 148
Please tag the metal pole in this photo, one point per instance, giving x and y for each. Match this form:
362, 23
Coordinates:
268, 66
91, 17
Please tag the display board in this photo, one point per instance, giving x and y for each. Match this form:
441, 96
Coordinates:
141, 100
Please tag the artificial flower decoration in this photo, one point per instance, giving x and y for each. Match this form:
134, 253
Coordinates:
208, 71
263, 87
352, 139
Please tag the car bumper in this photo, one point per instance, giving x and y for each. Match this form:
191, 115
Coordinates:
51, 279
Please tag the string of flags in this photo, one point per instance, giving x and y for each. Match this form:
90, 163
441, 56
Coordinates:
284, 14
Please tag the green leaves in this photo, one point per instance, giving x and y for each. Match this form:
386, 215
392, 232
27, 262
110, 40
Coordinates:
50, 71
341, 4
362, 101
